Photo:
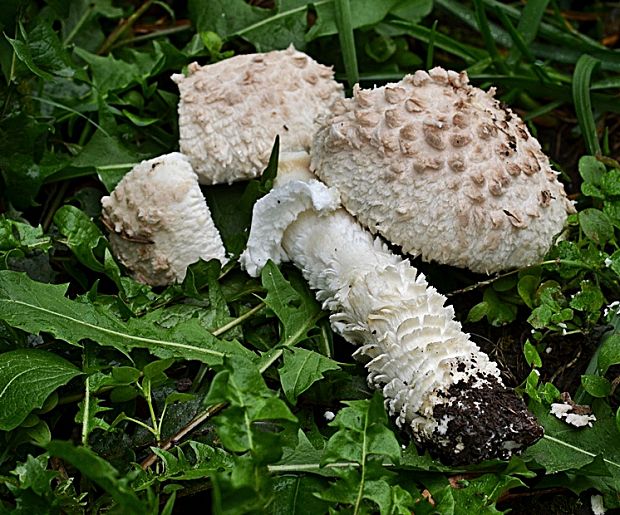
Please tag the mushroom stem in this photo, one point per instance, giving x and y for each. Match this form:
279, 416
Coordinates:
435, 380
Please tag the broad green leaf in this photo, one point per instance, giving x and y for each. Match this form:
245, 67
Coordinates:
480, 494
23, 173
596, 225
363, 13
295, 307
527, 289
301, 369
108, 156
611, 183
499, 312
478, 312
412, 10
83, 237
531, 355
590, 298
37, 307
569, 449
596, 386
27, 379
266, 29
100, 472
609, 352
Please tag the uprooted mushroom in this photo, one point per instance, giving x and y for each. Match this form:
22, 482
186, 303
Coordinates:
159, 221
435, 380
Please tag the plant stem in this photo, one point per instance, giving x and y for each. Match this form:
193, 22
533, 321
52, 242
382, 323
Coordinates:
193, 424
577, 264
238, 320
123, 27
78, 26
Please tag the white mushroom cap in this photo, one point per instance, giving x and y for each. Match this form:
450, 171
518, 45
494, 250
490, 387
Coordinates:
442, 169
231, 112
160, 222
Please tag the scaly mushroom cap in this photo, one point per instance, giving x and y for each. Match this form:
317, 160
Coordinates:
440, 168
160, 222
231, 112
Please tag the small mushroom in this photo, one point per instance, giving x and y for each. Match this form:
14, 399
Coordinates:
436, 382
230, 112
471, 169
159, 221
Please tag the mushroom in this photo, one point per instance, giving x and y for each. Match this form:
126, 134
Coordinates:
230, 112
435, 380
159, 221
443, 170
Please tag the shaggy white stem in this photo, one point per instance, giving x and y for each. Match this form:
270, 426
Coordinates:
432, 375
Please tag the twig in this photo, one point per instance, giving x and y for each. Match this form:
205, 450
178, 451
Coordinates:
193, 424
123, 27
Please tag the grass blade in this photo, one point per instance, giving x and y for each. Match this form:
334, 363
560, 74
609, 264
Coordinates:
467, 53
530, 19
487, 37
583, 103
431, 47
347, 40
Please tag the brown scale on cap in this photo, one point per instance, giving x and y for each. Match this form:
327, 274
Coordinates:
444, 128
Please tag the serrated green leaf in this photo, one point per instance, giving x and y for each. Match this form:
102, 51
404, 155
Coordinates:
99, 471
297, 495
37, 307
295, 307
300, 369
241, 385
108, 156
596, 386
111, 74
33, 474
362, 432
41, 51
27, 378
16, 235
